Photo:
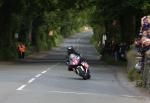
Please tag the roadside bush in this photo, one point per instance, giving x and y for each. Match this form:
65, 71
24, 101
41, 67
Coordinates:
131, 58
6, 54
41, 39
111, 61
133, 75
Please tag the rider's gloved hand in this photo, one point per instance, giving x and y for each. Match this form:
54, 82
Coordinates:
67, 63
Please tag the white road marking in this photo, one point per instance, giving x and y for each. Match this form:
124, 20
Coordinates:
78, 93
31, 80
21, 88
44, 72
88, 93
38, 75
131, 96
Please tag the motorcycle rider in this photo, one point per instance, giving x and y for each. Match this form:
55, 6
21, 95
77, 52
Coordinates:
71, 50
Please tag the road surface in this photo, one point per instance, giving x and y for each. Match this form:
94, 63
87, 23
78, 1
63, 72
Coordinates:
44, 78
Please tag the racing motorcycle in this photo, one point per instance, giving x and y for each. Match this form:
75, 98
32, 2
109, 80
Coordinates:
80, 67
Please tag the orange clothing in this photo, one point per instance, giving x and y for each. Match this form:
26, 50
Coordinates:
21, 47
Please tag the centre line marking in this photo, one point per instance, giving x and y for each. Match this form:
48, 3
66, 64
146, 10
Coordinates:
38, 75
20, 88
44, 71
31, 80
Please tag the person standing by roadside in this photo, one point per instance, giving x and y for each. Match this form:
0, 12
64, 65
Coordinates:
21, 50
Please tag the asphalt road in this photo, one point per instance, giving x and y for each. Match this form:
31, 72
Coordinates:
43, 78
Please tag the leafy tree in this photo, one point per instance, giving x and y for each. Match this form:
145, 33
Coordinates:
34, 19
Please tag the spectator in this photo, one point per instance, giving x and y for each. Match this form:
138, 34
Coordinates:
122, 51
144, 33
115, 50
21, 50
143, 43
145, 23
